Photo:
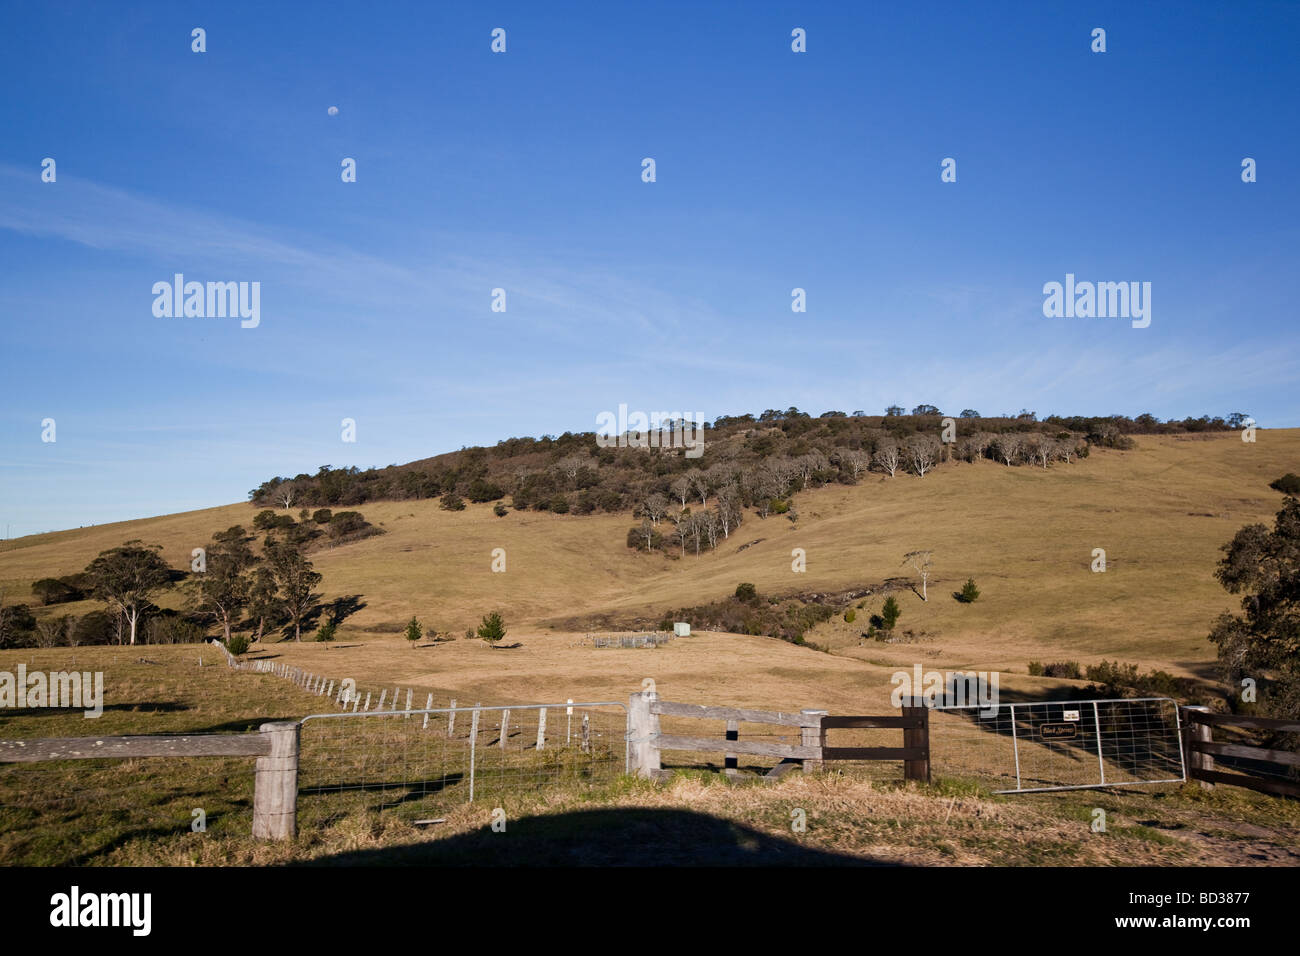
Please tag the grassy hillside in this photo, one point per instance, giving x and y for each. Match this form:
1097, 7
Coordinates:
1025, 534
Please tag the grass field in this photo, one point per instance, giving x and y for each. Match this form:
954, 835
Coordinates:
1025, 535
139, 812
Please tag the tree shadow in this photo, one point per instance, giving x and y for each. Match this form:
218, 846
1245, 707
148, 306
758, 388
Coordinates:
338, 610
635, 836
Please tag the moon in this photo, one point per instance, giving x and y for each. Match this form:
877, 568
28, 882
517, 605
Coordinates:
333, 111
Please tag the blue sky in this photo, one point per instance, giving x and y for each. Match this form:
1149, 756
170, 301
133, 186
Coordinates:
522, 170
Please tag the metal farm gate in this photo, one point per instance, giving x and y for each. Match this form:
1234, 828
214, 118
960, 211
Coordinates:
1060, 745
421, 761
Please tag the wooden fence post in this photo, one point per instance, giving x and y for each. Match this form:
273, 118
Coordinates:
428, 706
541, 729
275, 784
813, 736
451, 718
643, 734
729, 764
408, 703
586, 733
918, 737
505, 727
1194, 733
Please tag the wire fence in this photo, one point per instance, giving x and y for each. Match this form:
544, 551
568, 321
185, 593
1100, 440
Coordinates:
1070, 745
653, 639
417, 762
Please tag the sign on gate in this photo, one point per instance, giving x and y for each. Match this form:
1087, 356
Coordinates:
1060, 745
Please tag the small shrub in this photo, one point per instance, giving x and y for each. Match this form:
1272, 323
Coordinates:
1035, 668
326, 631
451, 502
322, 515
890, 613
969, 593
493, 628
747, 593
469, 633
481, 490
1067, 669
345, 523
850, 616
238, 644
499, 510
413, 630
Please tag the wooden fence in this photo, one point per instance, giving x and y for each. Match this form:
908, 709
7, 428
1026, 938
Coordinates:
1200, 749
275, 776
646, 741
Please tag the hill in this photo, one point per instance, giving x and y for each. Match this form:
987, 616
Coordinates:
1026, 535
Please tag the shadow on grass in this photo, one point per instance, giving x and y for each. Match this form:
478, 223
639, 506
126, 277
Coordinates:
607, 837
144, 707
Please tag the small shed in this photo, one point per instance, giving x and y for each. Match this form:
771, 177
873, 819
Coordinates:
681, 629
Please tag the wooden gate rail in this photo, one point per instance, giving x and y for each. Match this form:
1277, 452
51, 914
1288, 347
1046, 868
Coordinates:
1200, 749
646, 741
915, 752
275, 778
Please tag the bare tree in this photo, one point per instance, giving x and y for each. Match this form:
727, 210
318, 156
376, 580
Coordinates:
923, 453
570, 465
723, 473
49, 632
1010, 446
655, 507
767, 484
700, 484
973, 447
854, 461
709, 522
728, 499
285, 493
72, 629
681, 489
682, 527
889, 457
807, 464
920, 560
1043, 448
